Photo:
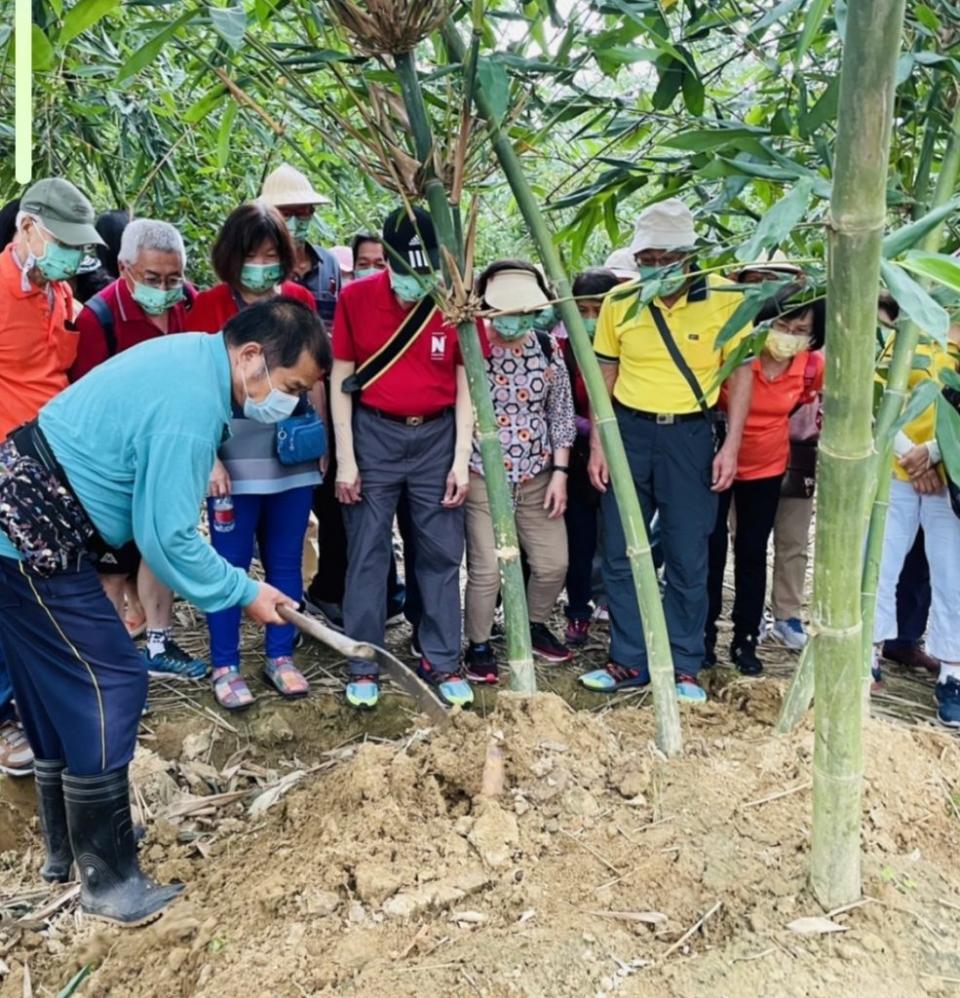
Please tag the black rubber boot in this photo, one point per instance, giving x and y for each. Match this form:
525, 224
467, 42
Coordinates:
113, 887
47, 775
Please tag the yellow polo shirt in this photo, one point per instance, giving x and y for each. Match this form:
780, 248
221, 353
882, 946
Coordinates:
648, 378
923, 429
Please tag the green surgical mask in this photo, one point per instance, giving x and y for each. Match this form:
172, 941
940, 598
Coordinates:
298, 227
513, 327
260, 277
412, 287
545, 319
365, 272
590, 325
59, 262
156, 301
671, 278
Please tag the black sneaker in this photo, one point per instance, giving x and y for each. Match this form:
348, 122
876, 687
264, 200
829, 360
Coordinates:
948, 700
744, 656
481, 664
547, 646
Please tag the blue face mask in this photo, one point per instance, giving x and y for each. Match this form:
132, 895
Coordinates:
260, 277
545, 319
412, 287
365, 272
513, 327
590, 325
276, 406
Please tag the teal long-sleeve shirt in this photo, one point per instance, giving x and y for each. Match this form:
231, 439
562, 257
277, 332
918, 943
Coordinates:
137, 438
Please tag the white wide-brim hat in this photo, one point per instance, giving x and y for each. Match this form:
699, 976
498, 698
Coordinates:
622, 263
666, 225
287, 185
778, 263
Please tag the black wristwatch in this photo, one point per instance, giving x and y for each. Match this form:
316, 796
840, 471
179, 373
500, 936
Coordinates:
561, 467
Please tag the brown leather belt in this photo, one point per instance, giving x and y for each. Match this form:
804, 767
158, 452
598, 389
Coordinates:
406, 420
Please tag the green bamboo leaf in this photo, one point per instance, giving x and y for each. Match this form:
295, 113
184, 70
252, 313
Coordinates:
950, 378
915, 302
611, 57
823, 111
907, 236
778, 222
694, 93
707, 139
71, 986
811, 25
42, 53
201, 107
230, 23
749, 346
939, 267
672, 72
151, 48
754, 298
905, 66
921, 398
948, 437
224, 133
493, 81
775, 14
84, 15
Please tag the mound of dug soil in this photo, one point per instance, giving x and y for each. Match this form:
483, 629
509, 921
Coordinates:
540, 851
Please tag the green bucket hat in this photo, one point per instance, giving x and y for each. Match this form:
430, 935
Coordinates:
63, 211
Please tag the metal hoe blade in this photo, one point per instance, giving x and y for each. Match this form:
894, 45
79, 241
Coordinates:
424, 696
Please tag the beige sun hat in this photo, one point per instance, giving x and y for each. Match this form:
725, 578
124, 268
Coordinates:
287, 185
512, 290
666, 225
778, 263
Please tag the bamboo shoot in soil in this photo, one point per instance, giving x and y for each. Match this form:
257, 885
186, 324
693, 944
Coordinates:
845, 471
660, 659
517, 621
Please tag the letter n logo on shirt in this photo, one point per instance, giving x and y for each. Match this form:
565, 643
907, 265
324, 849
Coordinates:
438, 346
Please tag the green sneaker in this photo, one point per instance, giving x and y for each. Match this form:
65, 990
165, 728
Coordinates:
363, 692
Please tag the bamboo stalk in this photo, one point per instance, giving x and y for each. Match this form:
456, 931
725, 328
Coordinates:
660, 659
519, 651
857, 213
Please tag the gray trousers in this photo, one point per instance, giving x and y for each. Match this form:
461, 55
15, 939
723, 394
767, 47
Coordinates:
395, 459
671, 469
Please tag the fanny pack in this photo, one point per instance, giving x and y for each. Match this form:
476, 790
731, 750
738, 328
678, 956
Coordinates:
301, 438
38, 511
718, 425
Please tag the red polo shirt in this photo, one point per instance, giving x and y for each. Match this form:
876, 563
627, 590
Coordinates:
131, 325
37, 343
424, 380
212, 308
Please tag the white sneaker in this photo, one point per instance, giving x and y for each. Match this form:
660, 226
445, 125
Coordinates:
790, 632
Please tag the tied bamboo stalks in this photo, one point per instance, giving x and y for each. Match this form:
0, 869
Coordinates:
519, 650
669, 738
857, 211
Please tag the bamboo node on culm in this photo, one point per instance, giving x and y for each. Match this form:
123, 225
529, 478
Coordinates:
821, 630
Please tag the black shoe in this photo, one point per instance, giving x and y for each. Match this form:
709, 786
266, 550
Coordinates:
47, 774
112, 885
744, 656
481, 664
547, 646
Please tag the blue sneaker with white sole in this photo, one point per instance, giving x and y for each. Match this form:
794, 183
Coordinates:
363, 692
790, 633
614, 678
174, 663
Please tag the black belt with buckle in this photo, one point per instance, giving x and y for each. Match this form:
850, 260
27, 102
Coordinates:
667, 418
406, 420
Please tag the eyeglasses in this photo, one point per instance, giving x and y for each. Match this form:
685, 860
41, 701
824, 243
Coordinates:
795, 327
297, 211
654, 258
166, 282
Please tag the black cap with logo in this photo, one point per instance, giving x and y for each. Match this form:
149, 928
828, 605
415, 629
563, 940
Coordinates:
411, 241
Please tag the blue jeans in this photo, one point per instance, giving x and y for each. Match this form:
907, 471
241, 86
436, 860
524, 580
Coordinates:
278, 523
671, 468
913, 599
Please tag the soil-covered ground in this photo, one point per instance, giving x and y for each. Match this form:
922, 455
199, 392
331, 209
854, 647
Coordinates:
532, 846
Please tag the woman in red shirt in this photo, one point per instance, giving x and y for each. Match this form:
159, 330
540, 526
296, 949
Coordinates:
786, 374
252, 495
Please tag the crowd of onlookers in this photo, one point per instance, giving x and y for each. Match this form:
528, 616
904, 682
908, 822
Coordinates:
721, 443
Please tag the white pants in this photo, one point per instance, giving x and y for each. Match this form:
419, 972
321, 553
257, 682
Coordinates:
941, 530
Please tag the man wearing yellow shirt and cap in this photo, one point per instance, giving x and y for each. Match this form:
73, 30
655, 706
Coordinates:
661, 368
919, 498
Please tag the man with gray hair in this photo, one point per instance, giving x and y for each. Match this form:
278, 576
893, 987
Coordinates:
147, 300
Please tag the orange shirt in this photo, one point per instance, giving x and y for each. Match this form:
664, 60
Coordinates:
765, 449
36, 346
